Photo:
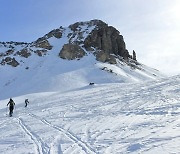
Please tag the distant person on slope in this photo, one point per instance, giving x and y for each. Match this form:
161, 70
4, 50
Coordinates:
11, 106
26, 102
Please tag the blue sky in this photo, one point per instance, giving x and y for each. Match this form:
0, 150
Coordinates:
150, 27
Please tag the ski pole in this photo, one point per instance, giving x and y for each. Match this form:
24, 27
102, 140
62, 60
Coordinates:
7, 110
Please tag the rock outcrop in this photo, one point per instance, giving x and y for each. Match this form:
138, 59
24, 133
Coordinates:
134, 55
41, 52
57, 33
24, 53
71, 51
42, 43
105, 57
107, 39
9, 61
104, 41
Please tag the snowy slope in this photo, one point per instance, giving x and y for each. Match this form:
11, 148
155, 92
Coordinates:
51, 73
102, 119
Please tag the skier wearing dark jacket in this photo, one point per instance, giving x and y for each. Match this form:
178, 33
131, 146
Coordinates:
11, 106
26, 102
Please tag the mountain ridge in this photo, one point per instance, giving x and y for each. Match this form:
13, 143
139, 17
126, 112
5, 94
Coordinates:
95, 36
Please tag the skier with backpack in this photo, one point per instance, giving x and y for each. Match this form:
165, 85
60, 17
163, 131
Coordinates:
11, 106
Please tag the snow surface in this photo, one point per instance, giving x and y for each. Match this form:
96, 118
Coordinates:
98, 119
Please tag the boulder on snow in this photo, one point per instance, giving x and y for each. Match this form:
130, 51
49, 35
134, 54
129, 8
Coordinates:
91, 83
24, 53
71, 51
9, 61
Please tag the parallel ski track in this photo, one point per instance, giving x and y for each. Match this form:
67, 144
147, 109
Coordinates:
84, 146
41, 147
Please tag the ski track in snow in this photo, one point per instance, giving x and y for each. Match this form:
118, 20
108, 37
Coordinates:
41, 147
70, 135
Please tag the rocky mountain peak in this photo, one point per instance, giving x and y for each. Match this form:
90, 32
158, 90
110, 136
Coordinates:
94, 36
97, 23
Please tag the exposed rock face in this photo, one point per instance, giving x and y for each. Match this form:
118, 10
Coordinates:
43, 43
134, 55
105, 57
71, 51
57, 33
9, 61
7, 53
107, 39
24, 53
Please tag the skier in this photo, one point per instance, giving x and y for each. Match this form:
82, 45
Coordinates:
11, 106
26, 102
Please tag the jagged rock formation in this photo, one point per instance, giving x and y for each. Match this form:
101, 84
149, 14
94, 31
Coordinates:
94, 36
102, 38
134, 55
107, 39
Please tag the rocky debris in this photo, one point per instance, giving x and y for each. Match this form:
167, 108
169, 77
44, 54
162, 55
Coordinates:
41, 52
7, 53
14, 43
11, 45
9, 61
42, 43
108, 70
24, 53
71, 51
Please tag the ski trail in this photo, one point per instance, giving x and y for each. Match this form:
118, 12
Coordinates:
84, 146
56, 146
41, 147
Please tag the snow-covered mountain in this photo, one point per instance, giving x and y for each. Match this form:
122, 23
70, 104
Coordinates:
69, 58
128, 108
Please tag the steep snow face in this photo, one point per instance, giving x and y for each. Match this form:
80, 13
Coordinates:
99, 119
